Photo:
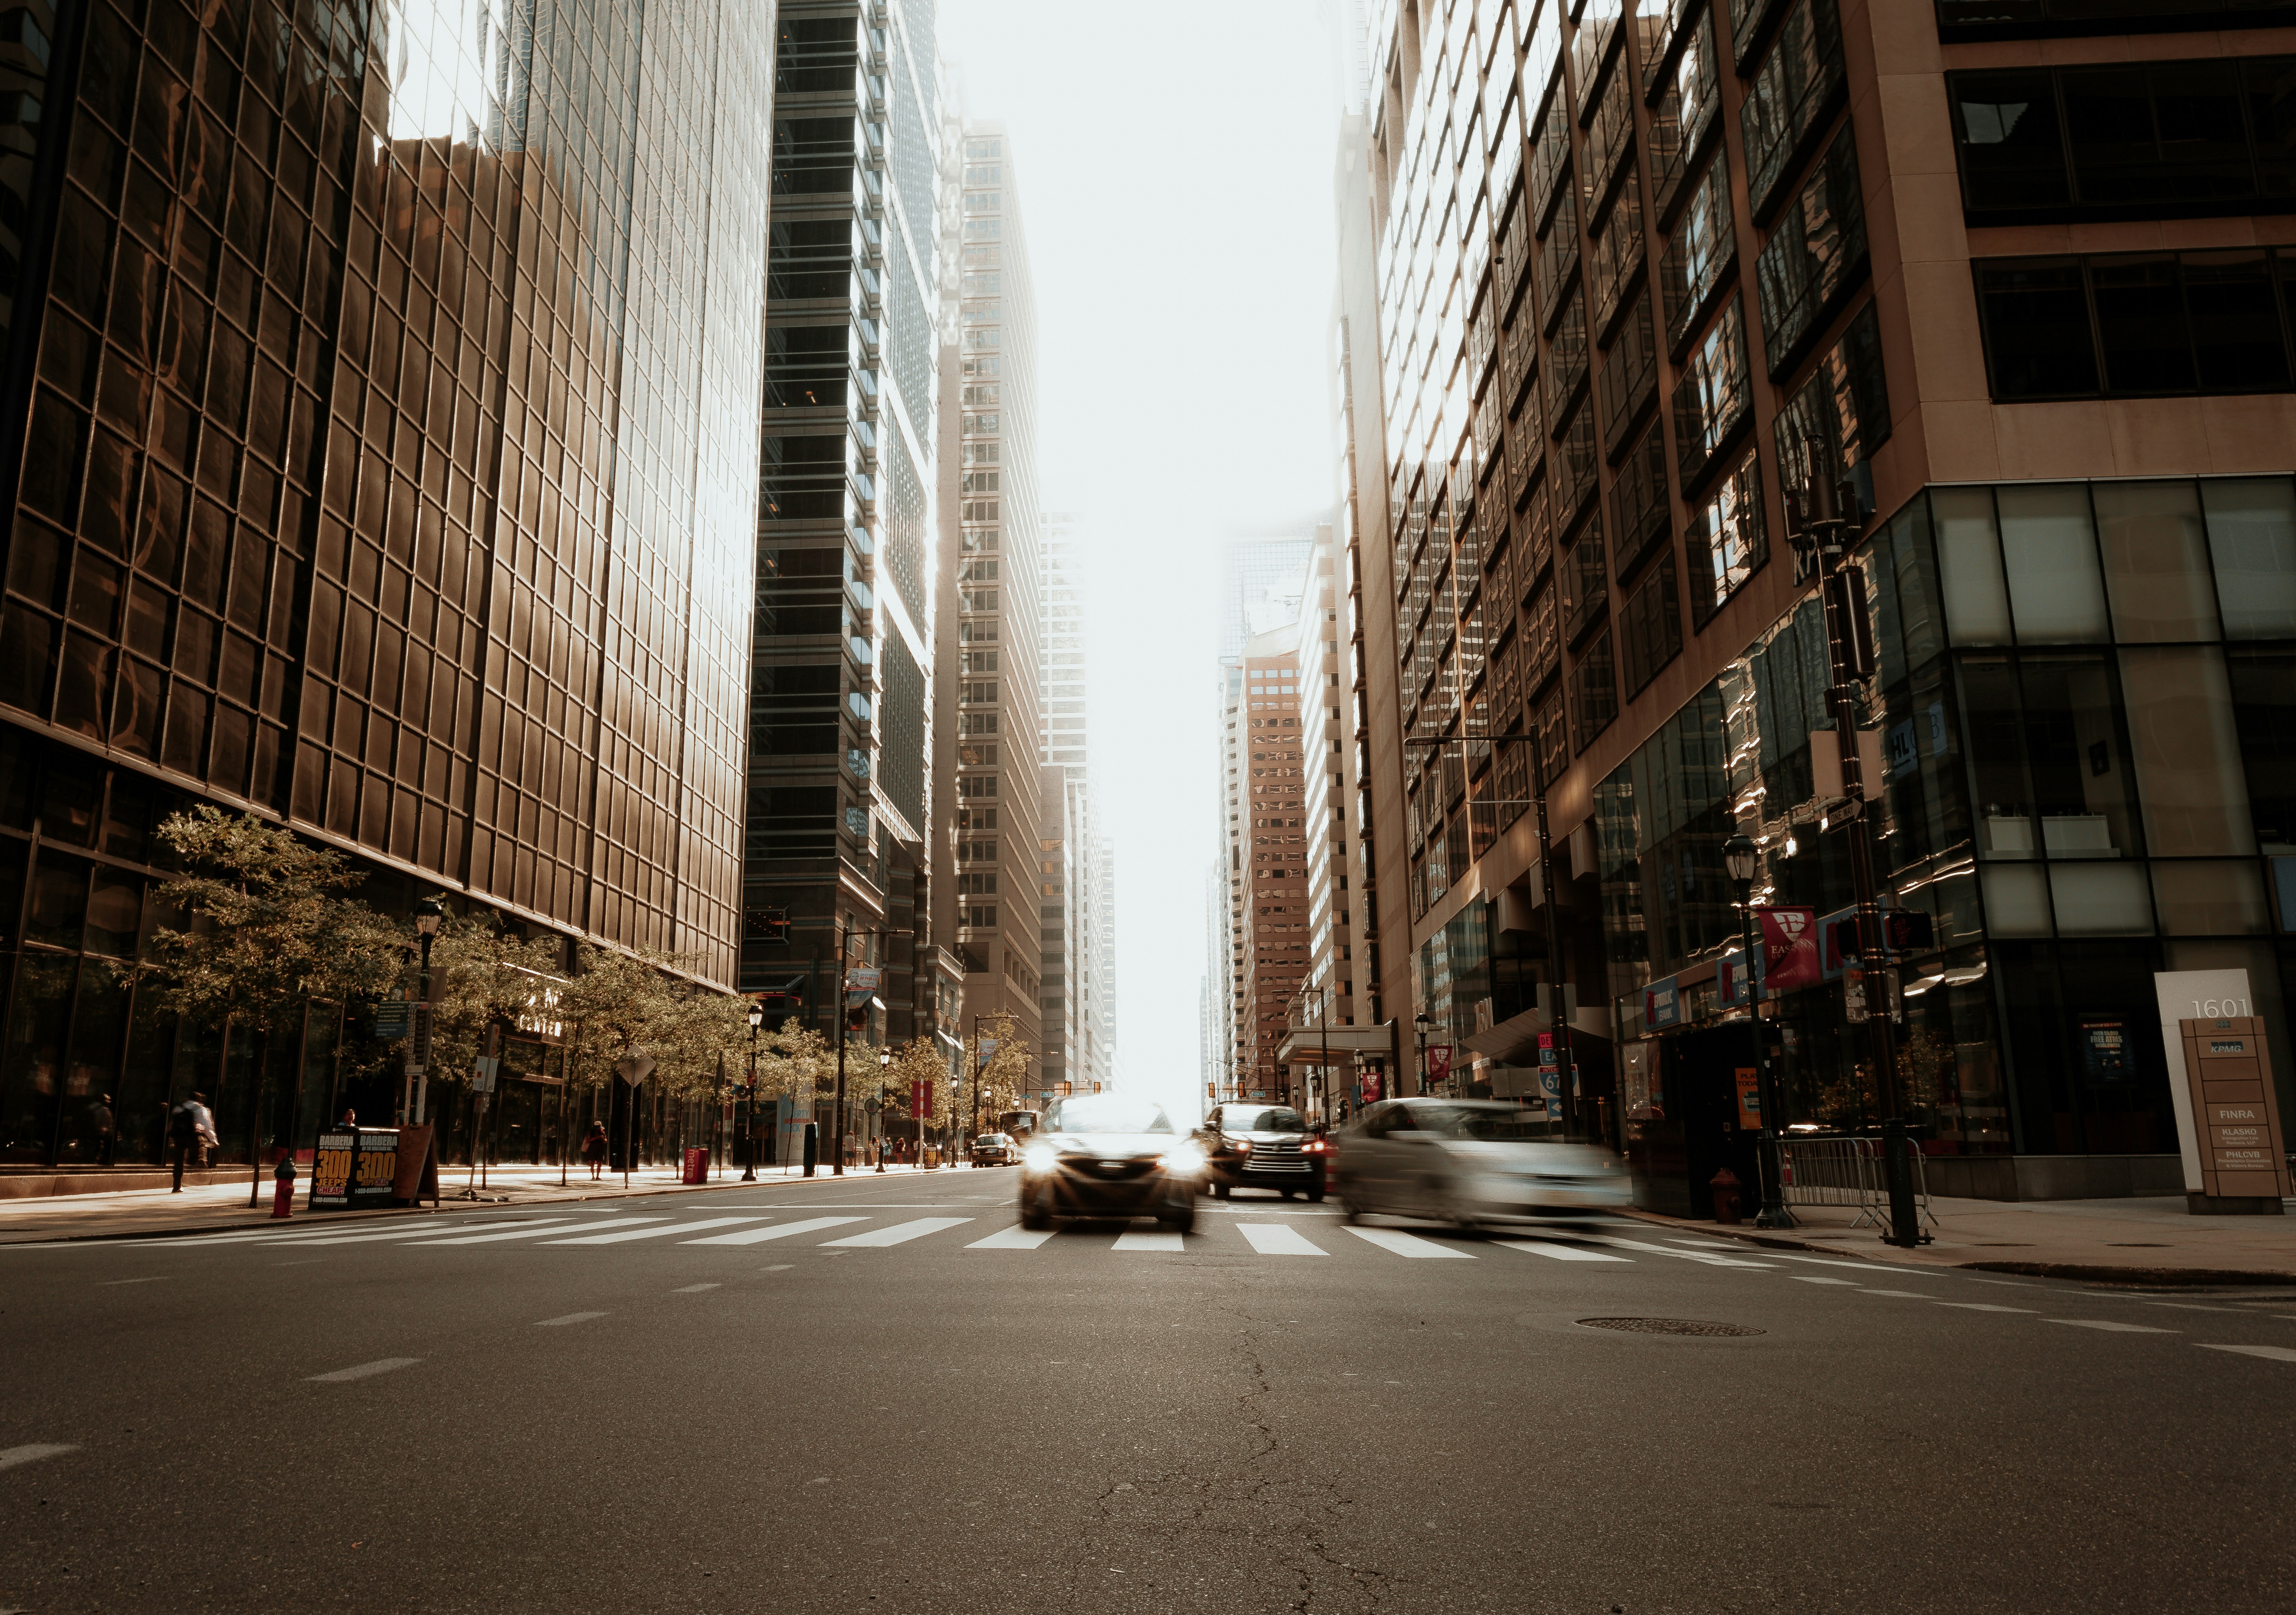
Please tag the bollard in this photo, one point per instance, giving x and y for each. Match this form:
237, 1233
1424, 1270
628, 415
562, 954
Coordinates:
1724, 1185
282, 1193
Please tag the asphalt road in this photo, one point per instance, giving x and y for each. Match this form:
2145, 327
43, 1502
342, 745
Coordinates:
465, 1412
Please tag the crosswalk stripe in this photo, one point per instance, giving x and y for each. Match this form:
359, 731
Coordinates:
1985, 1306
407, 1236
1811, 1278
2278, 1354
1687, 1256
533, 1232
750, 1236
1278, 1238
899, 1233
1015, 1238
1406, 1244
1561, 1253
630, 1233
2110, 1325
1150, 1242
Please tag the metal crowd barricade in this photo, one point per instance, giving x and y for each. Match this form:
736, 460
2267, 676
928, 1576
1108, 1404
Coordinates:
1848, 1172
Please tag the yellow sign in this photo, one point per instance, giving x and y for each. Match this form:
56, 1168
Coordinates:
1749, 1098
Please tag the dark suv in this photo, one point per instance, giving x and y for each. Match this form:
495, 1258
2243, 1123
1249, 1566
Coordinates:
1256, 1145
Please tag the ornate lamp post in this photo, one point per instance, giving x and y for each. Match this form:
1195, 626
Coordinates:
749, 1131
1420, 1024
1741, 858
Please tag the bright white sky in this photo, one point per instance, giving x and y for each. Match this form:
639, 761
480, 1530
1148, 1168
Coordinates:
1175, 165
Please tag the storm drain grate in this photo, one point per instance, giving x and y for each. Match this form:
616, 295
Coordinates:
1667, 1326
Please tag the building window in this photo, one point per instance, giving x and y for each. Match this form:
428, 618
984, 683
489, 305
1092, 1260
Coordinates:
1686, 115
1594, 694
2137, 139
1815, 257
1651, 625
1841, 413
1793, 95
1727, 541
1711, 400
2135, 324
2044, 19
1639, 500
1699, 258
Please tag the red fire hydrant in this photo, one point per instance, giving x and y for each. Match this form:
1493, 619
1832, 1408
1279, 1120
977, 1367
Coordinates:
1724, 1185
283, 1191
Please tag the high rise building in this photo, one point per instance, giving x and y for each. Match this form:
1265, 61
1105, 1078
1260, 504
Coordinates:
376, 432
842, 703
1078, 969
1639, 271
988, 842
1326, 994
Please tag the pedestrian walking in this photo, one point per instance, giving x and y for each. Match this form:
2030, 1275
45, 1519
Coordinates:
100, 1118
594, 1149
191, 1134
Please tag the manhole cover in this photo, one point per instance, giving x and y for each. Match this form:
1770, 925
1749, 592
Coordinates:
1667, 1326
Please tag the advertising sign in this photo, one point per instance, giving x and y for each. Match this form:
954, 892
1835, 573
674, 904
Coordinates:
354, 1166
1750, 1099
1661, 1005
331, 1158
1439, 1063
377, 1176
1790, 957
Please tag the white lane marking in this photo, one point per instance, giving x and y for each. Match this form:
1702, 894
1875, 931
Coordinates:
2107, 1324
1561, 1253
31, 1452
750, 1236
1828, 1261
362, 1370
1405, 1245
1704, 1244
1812, 1278
107, 1283
1015, 1238
694, 1289
488, 1239
1278, 1238
407, 1236
2278, 1354
1149, 1242
2195, 1307
899, 1233
1907, 1295
1985, 1306
571, 1318
631, 1233
1686, 1256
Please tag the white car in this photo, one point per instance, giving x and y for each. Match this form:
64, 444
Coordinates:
1469, 1162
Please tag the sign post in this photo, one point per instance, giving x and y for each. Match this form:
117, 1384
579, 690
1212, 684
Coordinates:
632, 1068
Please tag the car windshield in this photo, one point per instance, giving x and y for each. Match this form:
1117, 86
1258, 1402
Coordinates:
1262, 1121
1476, 1121
1106, 1113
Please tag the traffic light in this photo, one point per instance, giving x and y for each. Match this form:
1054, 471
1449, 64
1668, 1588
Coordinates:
766, 925
1908, 930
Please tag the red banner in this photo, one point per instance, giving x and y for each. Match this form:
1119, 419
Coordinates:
921, 1097
1438, 1062
1789, 949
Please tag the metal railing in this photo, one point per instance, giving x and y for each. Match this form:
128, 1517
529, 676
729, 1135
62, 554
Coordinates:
1848, 1172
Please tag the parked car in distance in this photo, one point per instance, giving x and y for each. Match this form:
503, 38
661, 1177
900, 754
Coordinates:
1470, 1162
996, 1149
1257, 1145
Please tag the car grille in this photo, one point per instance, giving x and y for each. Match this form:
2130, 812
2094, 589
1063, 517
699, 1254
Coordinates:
1110, 1171
1283, 1156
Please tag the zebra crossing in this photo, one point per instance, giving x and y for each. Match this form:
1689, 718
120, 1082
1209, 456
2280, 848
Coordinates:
856, 1230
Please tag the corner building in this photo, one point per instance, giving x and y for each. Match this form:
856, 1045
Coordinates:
377, 430
1640, 267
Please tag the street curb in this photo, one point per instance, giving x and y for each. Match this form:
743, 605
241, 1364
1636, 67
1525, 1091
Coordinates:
2158, 1278
335, 1218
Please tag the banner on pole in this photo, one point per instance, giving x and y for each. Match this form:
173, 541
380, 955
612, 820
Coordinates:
1789, 957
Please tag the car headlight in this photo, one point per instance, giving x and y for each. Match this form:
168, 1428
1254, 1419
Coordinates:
1184, 1160
1040, 1158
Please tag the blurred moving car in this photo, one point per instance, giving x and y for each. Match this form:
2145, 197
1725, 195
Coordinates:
996, 1149
1469, 1161
1257, 1145
1108, 1155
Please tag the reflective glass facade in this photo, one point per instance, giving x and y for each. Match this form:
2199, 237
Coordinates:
377, 434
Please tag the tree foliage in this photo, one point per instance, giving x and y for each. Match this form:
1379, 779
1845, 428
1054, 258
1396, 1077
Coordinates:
271, 927
481, 974
1001, 1081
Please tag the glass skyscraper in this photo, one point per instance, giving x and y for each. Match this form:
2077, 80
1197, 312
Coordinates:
379, 397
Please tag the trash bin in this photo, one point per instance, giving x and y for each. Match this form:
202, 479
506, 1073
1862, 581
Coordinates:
932, 1157
697, 1166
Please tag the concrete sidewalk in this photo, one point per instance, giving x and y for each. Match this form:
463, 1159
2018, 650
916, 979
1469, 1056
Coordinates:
215, 1208
2150, 1240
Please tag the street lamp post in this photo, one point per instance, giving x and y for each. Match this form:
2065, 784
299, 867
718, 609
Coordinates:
1420, 1024
428, 914
1741, 856
884, 1061
750, 1129
1814, 520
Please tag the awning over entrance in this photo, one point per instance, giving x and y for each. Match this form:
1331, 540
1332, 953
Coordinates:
1305, 1044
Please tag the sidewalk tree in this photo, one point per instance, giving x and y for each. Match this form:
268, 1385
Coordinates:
271, 929
482, 974
616, 1004
1001, 1082
918, 1060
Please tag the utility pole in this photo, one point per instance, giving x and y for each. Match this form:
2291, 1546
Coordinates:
1566, 1070
844, 941
1815, 515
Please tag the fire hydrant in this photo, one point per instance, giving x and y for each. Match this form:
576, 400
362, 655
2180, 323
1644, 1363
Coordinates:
282, 1192
1724, 1185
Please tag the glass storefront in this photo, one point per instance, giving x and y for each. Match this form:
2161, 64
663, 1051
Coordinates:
2086, 710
